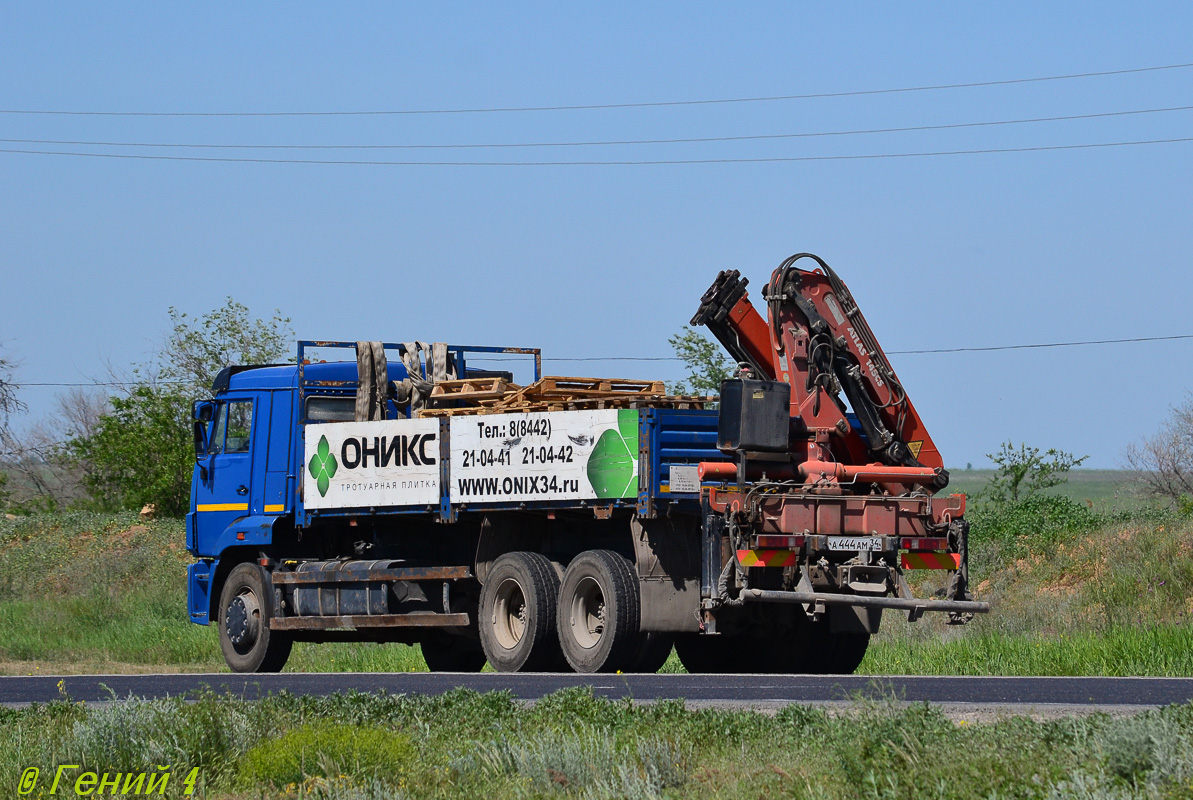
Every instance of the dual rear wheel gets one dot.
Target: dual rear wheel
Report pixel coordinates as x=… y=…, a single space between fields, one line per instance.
x=532 y=620
x=800 y=646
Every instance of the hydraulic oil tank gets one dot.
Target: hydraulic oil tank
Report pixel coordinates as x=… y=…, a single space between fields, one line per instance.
x=754 y=416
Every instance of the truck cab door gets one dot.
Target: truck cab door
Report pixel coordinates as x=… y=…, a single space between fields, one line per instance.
x=224 y=483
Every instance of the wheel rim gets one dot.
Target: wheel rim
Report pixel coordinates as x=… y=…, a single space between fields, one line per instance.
x=587 y=615
x=243 y=621
x=509 y=614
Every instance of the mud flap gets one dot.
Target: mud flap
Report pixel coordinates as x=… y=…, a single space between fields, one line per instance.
x=854 y=619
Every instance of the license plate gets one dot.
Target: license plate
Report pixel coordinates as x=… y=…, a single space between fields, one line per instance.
x=855 y=543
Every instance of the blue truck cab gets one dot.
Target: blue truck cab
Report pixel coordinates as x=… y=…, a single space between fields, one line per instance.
x=469 y=534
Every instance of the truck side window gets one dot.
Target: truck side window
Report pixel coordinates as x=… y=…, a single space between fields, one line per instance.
x=240 y=426
x=216 y=444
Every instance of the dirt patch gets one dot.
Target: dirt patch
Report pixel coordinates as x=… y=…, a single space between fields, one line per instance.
x=101 y=668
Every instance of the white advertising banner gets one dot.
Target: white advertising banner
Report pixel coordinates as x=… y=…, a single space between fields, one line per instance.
x=549 y=455
x=383 y=463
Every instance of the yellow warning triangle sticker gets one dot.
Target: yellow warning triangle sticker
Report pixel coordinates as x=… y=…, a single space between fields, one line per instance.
x=915 y=448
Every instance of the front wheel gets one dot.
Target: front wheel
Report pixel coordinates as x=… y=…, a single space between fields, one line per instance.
x=599 y=614
x=246 y=606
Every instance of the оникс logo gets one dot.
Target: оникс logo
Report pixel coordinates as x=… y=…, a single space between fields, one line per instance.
x=323 y=466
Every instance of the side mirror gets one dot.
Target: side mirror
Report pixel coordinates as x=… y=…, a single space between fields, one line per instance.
x=200 y=440
x=203 y=410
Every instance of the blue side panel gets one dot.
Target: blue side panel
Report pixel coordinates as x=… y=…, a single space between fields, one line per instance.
x=198 y=591
x=255 y=530
x=277 y=499
x=192 y=541
x=680 y=437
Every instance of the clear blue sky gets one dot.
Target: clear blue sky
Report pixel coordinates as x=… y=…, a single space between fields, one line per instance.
x=954 y=251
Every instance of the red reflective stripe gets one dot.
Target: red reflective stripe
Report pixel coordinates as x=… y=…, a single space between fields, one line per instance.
x=931 y=560
x=766 y=558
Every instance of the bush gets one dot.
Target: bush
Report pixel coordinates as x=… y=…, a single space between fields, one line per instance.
x=327 y=749
x=1040 y=520
x=134 y=735
x=140 y=453
x=588 y=762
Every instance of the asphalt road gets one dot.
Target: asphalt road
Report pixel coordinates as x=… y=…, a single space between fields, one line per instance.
x=721 y=690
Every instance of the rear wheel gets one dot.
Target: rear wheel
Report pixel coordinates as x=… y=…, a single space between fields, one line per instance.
x=787 y=646
x=246 y=606
x=702 y=654
x=518 y=614
x=838 y=653
x=445 y=652
x=653 y=651
x=599 y=612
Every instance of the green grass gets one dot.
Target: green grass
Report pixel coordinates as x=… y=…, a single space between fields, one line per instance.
x=1075 y=592
x=1162 y=650
x=1105 y=489
x=571 y=745
x=82 y=592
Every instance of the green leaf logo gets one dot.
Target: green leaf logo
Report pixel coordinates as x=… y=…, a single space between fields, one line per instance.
x=323 y=466
x=611 y=463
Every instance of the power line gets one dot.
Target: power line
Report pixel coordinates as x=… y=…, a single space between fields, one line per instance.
x=594 y=106
x=687 y=140
x=617 y=163
x=902 y=352
x=1046 y=344
x=107 y=383
x=677 y=358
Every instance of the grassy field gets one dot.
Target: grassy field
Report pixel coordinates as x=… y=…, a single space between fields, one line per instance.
x=1077 y=591
x=1106 y=489
x=570 y=745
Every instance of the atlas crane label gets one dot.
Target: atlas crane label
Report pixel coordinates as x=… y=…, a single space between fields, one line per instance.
x=551 y=455
x=363 y=464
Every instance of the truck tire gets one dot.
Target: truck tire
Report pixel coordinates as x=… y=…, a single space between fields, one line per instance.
x=445 y=652
x=840 y=653
x=599 y=612
x=517 y=614
x=246 y=606
x=703 y=654
x=653 y=651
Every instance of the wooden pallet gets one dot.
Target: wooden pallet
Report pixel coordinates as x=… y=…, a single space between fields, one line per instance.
x=481 y=391
x=644 y=401
x=555 y=385
x=551 y=393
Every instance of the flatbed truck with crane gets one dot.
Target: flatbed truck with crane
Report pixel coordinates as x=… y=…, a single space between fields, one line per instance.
x=578 y=524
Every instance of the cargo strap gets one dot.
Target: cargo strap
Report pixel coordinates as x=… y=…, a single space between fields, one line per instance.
x=414 y=390
x=372 y=381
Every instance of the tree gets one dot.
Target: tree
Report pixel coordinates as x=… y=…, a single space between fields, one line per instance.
x=47 y=474
x=1024 y=472
x=198 y=348
x=706 y=363
x=141 y=451
x=9 y=402
x=1164 y=462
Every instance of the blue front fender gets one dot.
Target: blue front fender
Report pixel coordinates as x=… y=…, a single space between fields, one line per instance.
x=201 y=586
